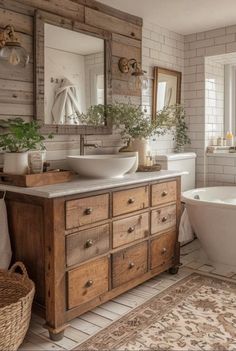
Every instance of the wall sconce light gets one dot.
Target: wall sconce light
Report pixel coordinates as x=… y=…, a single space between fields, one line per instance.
x=11 y=48
x=127 y=66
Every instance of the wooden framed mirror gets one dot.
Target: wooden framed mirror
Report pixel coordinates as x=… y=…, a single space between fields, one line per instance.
x=72 y=73
x=166 y=89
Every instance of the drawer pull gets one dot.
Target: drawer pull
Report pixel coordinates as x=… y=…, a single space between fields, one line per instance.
x=165 y=193
x=89 y=283
x=131 y=265
x=88 y=211
x=131 y=230
x=88 y=243
x=131 y=200
x=164 y=219
x=164 y=251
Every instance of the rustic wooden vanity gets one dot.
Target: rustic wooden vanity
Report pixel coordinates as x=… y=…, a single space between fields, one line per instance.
x=88 y=241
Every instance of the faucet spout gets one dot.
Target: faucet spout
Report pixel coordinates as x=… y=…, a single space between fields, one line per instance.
x=83 y=145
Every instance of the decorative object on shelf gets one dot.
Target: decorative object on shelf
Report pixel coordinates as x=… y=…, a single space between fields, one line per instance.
x=131 y=65
x=36 y=160
x=11 y=48
x=229 y=139
x=17 y=139
x=16 y=298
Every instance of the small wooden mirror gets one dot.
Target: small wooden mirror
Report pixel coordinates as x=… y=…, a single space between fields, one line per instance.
x=166 y=89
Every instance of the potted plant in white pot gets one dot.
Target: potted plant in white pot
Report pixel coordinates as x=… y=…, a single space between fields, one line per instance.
x=17 y=137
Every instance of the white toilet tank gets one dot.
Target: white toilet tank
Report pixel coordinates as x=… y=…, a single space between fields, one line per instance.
x=182 y=162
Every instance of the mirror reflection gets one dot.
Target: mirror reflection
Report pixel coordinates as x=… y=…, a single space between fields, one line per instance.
x=74 y=74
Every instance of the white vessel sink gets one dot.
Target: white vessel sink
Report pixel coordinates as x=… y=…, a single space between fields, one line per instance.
x=101 y=166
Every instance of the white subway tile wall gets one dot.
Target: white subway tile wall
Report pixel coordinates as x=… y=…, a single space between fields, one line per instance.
x=204 y=113
x=162 y=48
x=221 y=170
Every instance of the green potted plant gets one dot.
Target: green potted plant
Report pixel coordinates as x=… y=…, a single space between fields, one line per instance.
x=17 y=137
x=136 y=127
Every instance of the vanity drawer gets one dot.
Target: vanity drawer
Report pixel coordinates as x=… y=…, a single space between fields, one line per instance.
x=87 y=210
x=130 y=200
x=87 y=244
x=163 y=219
x=163 y=249
x=130 y=229
x=129 y=264
x=164 y=193
x=87 y=282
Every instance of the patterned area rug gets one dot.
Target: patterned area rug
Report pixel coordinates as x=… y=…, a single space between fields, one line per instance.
x=197 y=313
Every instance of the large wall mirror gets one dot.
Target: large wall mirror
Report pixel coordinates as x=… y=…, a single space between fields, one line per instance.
x=166 y=89
x=72 y=74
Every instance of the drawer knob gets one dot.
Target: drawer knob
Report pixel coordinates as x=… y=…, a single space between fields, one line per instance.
x=165 y=193
x=164 y=219
x=164 y=251
x=131 y=229
x=89 y=283
x=88 y=211
x=89 y=243
x=131 y=200
x=131 y=265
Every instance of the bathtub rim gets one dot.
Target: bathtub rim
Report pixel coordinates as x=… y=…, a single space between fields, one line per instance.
x=185 y=197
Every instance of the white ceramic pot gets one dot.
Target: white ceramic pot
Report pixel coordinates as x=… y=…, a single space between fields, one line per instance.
x=143 y=149
x=15 y=163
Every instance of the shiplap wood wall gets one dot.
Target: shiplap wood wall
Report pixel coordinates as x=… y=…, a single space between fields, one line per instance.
x=17 y=83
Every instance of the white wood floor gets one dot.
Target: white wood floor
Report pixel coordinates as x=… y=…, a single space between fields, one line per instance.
x=90 y=323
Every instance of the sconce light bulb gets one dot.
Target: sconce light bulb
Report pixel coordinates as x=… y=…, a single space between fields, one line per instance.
x=14 y=58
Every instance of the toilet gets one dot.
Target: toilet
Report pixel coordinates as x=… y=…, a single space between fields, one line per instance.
x=182 y=162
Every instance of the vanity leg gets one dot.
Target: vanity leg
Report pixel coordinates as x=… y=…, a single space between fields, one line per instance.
x=174 y=270
x=56 y=337
x=55 y=286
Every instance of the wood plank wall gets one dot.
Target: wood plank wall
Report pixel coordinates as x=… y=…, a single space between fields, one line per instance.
x=16 y=83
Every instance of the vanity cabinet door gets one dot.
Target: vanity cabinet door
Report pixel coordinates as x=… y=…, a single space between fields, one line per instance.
x=163 y=219
x=163 y=249
x=164 y=193
x=129 y=264
x=130 y=200
x=87 y=282
x=87 y=210
x=87 y=244
x=130 y=229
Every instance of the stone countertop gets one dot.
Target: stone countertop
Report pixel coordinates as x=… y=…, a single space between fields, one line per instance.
x=81 y=185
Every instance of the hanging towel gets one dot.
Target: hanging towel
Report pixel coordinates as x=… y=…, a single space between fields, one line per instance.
x=186 y=233
x=5 y=245
x=67 y=104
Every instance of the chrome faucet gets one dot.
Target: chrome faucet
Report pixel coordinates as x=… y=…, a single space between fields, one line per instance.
x=83 y=145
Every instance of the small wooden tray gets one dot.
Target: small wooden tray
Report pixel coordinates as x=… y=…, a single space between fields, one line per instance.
x=39 y=179
x=154 y=168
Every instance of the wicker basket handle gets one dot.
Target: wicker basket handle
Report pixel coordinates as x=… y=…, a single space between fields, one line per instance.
x=22 y=267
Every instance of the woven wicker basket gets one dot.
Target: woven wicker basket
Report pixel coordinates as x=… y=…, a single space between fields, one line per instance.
x=16 y=297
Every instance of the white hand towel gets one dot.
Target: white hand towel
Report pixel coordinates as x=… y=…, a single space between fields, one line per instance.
x=186 y=233
x=5 y=245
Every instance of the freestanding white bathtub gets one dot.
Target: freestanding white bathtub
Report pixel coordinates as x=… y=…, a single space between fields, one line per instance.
x=212 y=214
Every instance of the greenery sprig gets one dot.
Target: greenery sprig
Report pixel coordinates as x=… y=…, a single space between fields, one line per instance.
x=20 y=136
x=134 y=123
